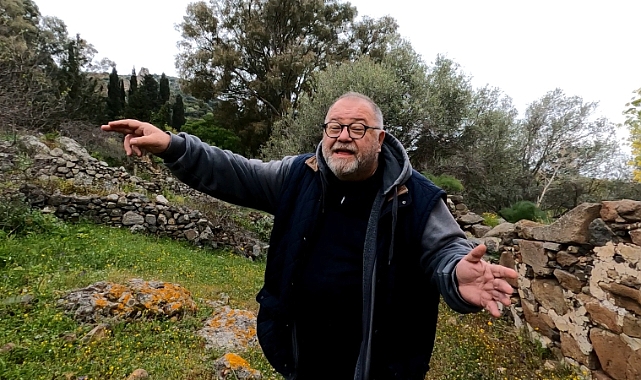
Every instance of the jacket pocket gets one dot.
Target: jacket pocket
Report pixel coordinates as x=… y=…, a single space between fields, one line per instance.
x=274 y=333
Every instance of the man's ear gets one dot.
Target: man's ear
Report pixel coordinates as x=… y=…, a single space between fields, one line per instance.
x=381 y=137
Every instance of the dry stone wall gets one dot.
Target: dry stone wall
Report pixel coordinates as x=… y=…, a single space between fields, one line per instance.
x=579 y=285
x=68 y=165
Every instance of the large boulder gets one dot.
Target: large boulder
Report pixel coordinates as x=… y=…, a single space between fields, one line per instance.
x=573 y=227
x=136 y=299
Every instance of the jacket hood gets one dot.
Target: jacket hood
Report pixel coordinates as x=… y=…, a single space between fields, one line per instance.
x=397 y=164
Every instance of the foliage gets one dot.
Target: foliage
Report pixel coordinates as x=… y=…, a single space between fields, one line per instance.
x=491 y=219
x=178 y=113
x=164 y=91
x=212 y=134
x=394 y=84
x=258 y=58
x=17 y=218
x=115 y=105
x=633 y=123
x=523 y=210
x=450 y=184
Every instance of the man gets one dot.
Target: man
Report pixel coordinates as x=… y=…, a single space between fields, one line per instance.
x=360 y=250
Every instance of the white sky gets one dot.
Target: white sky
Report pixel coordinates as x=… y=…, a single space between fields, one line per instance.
x=526 y=48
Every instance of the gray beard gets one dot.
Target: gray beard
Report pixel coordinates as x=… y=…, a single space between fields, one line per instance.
x=345 y=168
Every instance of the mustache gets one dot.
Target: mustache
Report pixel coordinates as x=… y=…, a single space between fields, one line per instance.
x=341 y=146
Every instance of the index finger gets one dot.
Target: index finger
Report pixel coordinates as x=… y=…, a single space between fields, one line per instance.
x=503 y=272
x=124 y=126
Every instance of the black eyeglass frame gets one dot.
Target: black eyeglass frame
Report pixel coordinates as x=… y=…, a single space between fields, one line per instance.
x=349 y=130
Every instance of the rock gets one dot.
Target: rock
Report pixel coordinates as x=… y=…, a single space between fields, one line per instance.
x=632 y=326
x=230 y=329
x=599 y=375
x=631 y=253
x=160 y=199
x=635 y=235
x=534 y=254
x=97 y=333
x=617 y=358
x=231 y=366
x=624 y=296
x=492 y=243
x=33 y=145
x=502 y=231
x=537 y=323
x=138 y=374
x=566 y=259
x=150 y=219
x=569 y=281
x=71 y=146
x=24 y=299
x=7 y=347
x=138 y=229
x=600 y=233
x=135 y=300
x=549 y=294
x=523 y=228
x=479 y=230
x=469 y=218
x=570 y=348
x=572 y=227
x=191 y=234
x=622 y=211
x=130 y=218
x=602 y=315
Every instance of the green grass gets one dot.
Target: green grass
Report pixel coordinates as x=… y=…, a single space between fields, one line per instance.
x=62 y=257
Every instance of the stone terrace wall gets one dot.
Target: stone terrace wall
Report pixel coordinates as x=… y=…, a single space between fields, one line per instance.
x=71 y=165
x=579 y=285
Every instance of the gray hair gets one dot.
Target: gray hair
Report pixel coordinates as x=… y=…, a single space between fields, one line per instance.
x=378 y=114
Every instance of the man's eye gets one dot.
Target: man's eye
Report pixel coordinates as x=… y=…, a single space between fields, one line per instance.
x=359 y=128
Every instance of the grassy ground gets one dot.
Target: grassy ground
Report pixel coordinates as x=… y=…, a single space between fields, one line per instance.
x=61 y=257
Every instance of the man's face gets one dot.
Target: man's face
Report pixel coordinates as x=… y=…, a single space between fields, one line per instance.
x=349 y=159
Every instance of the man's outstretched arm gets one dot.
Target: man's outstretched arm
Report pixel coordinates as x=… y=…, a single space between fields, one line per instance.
x=222 y=174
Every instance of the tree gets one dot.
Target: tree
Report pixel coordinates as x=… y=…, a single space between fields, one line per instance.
x=395 y=84
x=178 y=114
x=207 y=130
x=150 y=94
x=259 y=56
x=114 y=102
x=164 y=89
x=633 y=123
x=559 y=137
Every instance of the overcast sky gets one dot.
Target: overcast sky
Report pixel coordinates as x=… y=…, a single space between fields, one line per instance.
x=525 y=48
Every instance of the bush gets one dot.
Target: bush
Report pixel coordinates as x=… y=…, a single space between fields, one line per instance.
x=446 y=182
x=490 y=219
x=523 y=210
x=17 y=218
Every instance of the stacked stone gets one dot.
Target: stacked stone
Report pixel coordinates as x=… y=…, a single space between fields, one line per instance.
x=470 y=222
x=578 y=285
x=141 y=215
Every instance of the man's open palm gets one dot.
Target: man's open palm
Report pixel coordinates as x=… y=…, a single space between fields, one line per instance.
x=483 y=284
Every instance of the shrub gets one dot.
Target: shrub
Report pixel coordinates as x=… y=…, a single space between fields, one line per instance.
x=446 y=182
x=523 y=210
x=491 y=219
x=17 y=218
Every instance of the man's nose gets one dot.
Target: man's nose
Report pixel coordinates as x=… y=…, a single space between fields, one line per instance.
x=344 y=136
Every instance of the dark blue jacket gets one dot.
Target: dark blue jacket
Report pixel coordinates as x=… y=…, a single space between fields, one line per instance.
x=412 y=246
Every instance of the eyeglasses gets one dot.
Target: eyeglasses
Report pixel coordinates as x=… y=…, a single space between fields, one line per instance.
x=354 y=130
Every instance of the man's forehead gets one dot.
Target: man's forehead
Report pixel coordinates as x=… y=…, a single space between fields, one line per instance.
x=352 y=108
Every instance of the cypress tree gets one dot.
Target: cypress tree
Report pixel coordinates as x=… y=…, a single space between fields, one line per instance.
x=164 y=88
x=123 y=95
x=114 y=103
x=133 y=83
x=178 y=114
x=150 y=94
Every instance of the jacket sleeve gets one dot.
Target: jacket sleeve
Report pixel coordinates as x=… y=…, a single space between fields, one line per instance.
x=225 y=175
x=444 y=245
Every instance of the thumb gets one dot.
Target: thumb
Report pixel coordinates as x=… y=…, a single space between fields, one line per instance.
x=476 y=254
